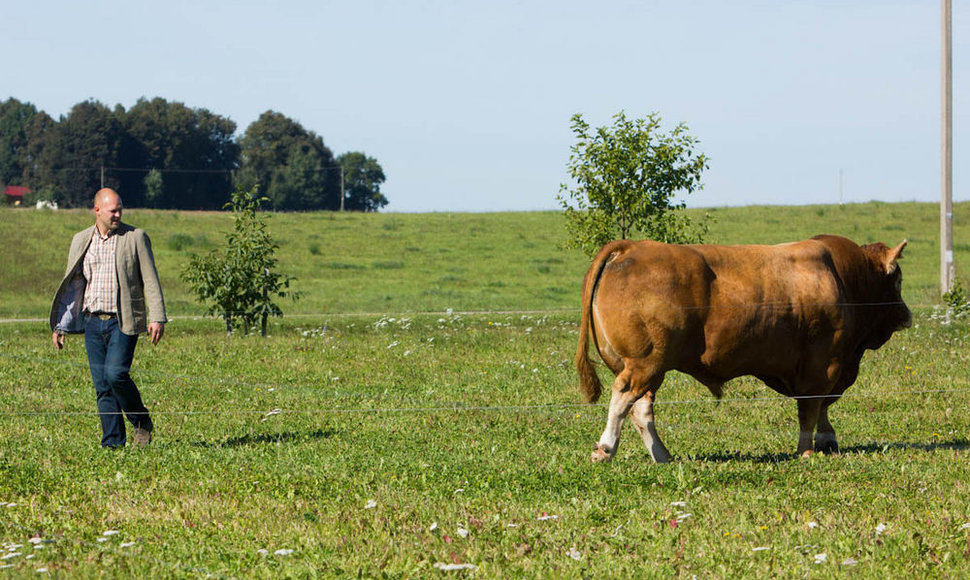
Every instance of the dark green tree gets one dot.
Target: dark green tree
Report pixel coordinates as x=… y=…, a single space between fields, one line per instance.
x=301 y=183
x=14 y=119
x=267 y=149
x=238 y=282
x=68 y=155
x=36 y=175
x=363 y=177
x=626 y=177
x=194 y=148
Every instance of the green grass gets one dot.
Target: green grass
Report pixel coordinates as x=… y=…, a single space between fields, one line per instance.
x=408 y=263
x=381 y=443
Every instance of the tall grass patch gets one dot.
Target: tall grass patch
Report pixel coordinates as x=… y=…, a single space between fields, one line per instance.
x=384 y=445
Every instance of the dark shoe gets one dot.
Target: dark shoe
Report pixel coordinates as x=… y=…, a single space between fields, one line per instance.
x=141 y=438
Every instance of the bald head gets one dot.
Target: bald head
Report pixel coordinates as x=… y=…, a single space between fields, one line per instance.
x=107 y=210
x=106 y=196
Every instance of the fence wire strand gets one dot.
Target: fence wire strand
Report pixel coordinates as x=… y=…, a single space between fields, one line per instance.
x=454 y=406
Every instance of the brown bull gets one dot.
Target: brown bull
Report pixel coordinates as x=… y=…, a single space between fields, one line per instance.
x=798 y=316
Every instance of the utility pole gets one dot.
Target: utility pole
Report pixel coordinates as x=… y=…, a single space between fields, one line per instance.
x=341 y=188
x=947 y=270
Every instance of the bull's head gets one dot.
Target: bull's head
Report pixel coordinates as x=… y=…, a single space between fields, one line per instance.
x=893 y=313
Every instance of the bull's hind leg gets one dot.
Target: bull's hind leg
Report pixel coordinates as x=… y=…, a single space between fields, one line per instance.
x=808 y=417
x=631 y=384
x=643 y=420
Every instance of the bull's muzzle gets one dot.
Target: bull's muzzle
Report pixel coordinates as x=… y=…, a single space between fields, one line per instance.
x=907 y=320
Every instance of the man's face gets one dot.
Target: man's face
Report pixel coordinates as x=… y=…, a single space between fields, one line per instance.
x=108 y=209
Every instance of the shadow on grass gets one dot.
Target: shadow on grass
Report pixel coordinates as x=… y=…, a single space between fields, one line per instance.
x=734 y=457
x=958 y=444
x=263 y=438
x=867 y=448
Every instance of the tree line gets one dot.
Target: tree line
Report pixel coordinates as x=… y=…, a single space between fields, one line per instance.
x=166 y=155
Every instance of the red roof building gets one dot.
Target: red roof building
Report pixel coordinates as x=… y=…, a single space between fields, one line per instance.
x=16 y=191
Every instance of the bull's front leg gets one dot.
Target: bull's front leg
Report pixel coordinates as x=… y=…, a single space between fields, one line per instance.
x=808 y=414
x=825 y=440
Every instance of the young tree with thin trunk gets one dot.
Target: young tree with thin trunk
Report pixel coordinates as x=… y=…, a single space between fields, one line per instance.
x=626 y=177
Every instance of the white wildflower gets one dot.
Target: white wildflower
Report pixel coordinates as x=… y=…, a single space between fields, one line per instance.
x=849 y=562
x=821 y=558
x=283 y=552
x=761 y=548
x=544 y=518
x=434 y=526
x=679 y=503
x=450 y=567
x=127 y=545
x=110 y=533
x=462 y=531
x=812 y=525
x=880 y=528
x=370 y=504
x=574 y=553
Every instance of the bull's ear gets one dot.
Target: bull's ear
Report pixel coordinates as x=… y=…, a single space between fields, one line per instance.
x=893 y=255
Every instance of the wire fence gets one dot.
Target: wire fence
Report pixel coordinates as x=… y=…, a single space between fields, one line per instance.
x=447 y=406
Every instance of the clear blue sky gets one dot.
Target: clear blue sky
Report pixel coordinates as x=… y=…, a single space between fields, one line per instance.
x=466 y=105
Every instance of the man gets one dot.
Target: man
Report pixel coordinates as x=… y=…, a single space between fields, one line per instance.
x=110 y=279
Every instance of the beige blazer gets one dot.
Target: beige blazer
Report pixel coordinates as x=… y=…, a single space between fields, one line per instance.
x=139 y=291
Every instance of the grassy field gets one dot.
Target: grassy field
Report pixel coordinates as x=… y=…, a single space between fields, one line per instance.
x=401 y=421
x=408 y=263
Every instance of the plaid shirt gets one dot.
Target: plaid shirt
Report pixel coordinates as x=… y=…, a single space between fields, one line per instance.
x=101 y=294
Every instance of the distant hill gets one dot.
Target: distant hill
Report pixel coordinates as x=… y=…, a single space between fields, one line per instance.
x=399 y=263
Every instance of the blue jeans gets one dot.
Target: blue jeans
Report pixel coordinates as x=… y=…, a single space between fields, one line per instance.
x=110 y=353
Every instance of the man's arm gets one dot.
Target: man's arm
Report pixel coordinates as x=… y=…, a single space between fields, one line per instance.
x=153 y=289
x=155 y=331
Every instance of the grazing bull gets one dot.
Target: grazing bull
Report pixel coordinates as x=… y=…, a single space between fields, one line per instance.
x=798 y=316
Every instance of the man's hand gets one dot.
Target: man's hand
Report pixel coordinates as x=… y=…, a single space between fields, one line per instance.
x=155 y=331
x=58 y=338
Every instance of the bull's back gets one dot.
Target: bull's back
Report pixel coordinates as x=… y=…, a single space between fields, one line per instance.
x=718 y=311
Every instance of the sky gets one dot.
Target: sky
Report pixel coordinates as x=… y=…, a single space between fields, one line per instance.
x=467 y=104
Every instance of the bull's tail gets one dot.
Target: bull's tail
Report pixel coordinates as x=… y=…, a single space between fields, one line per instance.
x=589 y=381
